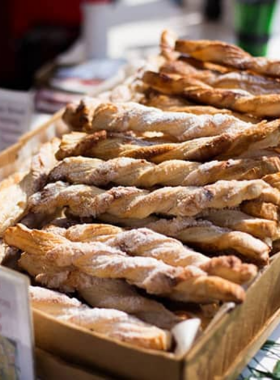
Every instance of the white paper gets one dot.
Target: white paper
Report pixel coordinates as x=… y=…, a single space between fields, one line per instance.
x=185 y=334
x=15 y=115
x=16 y=336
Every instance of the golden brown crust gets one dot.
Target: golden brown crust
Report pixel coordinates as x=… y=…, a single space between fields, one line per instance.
x=145 y=242
x=79 y=116
x=266 y=105
x=131 y=202
x=118 y=294
x=127 y=117
x=190 y=286
x=260 y=209
x=106 y=146
x=141 y=173
x=167 y=45
x=273 y=180
x=240 y=80
x=229 y=55
x=14 y=193
x=180 y=104
x=207 y=237
x=113 y=323
x=263 y=229
x=101 y=260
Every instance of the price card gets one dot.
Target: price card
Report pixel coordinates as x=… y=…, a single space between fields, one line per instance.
x=15 y=115
x=16 y=335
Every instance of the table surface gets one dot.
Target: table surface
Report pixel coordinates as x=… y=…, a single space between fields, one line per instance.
x=266 y=364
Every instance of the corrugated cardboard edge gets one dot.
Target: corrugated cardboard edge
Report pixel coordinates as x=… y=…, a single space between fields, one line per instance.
x=210 y=357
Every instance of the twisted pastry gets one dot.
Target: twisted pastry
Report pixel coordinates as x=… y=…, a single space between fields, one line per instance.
x=35 y=264
x=98 y=292
x=97 y=259
x=105 y=146
x=177 y=104
x=167 y=50
x=79 y=115
x=187 y=285
x=16 y=190
x=204 y=235
x=237 y=220
x=229 y=55
x=167 y=45
x=111 y=145
x=135 y=117
x=252 y=83
x=132 y=172
x=131 y=202
x=147 y=243
x=112 y=294
x=261 y=227
x=260 y=209
x=238 y=100
x=273 y=179
x=115 y=324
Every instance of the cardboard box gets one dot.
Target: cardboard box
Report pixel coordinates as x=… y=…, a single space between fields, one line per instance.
x=224 y=348
x=52 y=367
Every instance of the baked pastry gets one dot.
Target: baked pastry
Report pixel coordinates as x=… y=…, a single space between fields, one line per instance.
x=204 y=235
x=104 y=145
x=139 y=118
x=101 y=260
x=111 y=145
x=263 y=229
x=228 y=55
x=240 y=80
x=145 y=242
x=112 y=294
x=180 y=104
x=115 y=324
x=131 y=202
x=15 y=191
x=266 y=105
x=128 y=171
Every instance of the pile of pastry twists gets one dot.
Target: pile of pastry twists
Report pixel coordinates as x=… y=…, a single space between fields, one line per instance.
x=157 y=206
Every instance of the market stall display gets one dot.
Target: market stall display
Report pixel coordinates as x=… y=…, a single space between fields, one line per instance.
x=160 y=214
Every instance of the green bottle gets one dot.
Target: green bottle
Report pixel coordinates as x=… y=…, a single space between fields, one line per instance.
x=253 y=19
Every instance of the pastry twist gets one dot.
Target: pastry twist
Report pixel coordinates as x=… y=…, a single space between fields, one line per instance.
x=180 y=104
x=141 y=173
x=252 y=83
x=112 y=294
x=16 y=190
x=147 y=243
x=115 y=324
x=229 y=55
x=237 y=220
x=131 y=202
x=266 y=105
x=106 y=146
x=204 y=235
x=100 y=260
x=183 y=126
x=187 y=285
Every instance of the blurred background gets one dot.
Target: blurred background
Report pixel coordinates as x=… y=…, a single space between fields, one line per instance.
x=64 y=48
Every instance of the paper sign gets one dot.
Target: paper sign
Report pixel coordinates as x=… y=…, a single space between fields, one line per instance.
x=16 y=335
x=15 y=116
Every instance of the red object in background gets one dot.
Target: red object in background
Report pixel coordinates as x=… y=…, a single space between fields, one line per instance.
x=25 y=14
x=18 y=18
x=28 y=35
